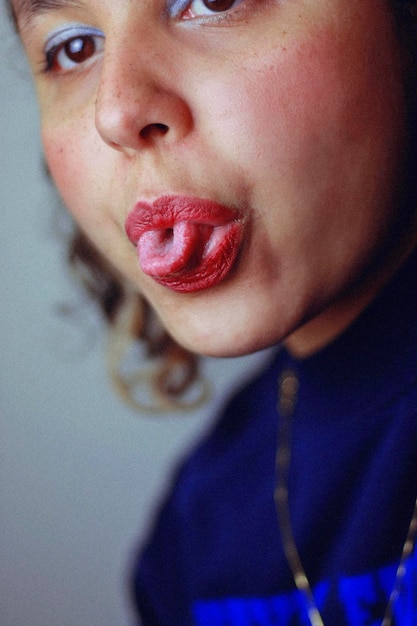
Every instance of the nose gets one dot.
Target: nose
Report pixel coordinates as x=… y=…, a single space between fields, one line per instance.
x=138 y=104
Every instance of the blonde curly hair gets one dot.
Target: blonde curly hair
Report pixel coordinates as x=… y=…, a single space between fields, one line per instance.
x=148 y=369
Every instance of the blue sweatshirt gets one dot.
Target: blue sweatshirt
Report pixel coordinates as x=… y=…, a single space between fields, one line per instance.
x=215 y=555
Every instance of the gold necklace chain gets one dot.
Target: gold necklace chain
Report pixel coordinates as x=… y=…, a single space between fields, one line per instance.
x=287 y=399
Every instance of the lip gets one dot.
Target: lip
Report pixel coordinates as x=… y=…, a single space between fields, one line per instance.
x=185 y=243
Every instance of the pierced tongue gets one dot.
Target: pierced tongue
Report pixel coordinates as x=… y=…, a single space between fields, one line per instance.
x=167 y=251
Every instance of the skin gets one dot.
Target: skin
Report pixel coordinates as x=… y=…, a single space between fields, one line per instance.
x=292 y=111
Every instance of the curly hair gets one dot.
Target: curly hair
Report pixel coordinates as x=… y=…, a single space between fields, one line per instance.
x=160 y=375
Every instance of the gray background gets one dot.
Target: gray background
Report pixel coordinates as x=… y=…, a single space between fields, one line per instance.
x=80 y=473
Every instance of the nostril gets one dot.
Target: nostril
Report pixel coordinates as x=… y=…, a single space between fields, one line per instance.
x=153 y=129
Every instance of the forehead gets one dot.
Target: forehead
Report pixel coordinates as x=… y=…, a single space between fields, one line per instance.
x=25 y=10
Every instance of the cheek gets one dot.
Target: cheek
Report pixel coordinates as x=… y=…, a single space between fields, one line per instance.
x=61 y=163
x=82 y=172
x=330 y=96
x=78 y=172
x=73 y=160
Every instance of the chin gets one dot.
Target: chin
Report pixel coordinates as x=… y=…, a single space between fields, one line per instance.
x=238 y=317
x=212 y=336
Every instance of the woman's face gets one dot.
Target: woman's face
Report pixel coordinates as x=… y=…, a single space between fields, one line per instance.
x=248 y=149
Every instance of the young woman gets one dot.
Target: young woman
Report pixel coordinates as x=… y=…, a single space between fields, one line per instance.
x=248 y=167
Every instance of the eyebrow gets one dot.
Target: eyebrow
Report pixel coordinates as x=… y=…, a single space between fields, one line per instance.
x=24 y=11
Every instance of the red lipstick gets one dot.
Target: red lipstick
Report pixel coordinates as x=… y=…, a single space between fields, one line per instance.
x=186 y=244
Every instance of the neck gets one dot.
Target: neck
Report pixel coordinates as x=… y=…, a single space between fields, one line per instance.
x=325 y=327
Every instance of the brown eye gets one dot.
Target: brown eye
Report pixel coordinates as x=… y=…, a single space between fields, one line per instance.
x=218 y=5
x=205 y=8
x=71 y=52
x=79 y=49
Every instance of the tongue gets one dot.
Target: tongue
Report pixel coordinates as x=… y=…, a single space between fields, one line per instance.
x=167 y=251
